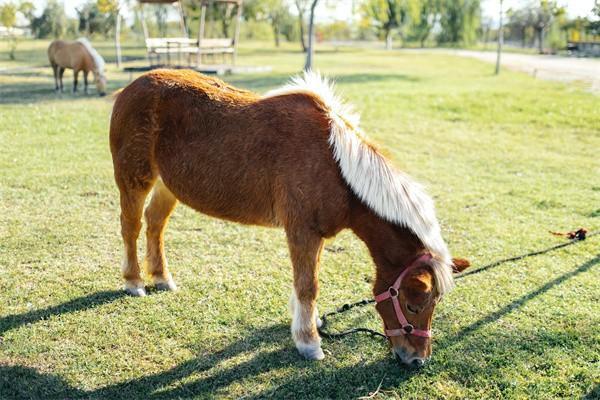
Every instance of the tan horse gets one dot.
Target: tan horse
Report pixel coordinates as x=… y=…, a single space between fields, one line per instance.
x=79 y=56
x=292 y=159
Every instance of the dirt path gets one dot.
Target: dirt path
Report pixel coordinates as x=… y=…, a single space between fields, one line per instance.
x=565 y=69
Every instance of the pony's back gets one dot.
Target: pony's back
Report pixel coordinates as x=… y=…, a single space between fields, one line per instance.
x=226 y=152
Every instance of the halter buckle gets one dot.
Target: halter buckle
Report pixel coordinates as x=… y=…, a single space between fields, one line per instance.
x=393 y=291
x=408 y=328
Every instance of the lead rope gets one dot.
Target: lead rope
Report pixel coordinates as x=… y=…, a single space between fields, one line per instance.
x=574 y=236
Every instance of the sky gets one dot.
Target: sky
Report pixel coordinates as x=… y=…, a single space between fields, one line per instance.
x=328 y=10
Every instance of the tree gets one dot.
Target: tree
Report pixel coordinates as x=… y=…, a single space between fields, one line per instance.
x=593 y=27
x=500 y=39
x=27 y=9
x=52 y=22
x=275 y=12
x=519 y=21
x=426 y=19
x=389 y=16
x=98 y=17
x=541 y=19
x=459 y=20
x=311 y=37
x=301 y=8
x=8 y=18
x=8 y=15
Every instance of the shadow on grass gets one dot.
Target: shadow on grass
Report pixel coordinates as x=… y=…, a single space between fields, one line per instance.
x=593 y=394
x=79 y=304
x=463 y=356
x=42 y=89
x=41 y=92
x=519 y=302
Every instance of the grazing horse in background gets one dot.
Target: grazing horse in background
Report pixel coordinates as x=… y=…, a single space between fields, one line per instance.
x=78 y=55
x=295 y=159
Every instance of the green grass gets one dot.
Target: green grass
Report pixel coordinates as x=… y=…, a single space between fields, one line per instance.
x=507 y=159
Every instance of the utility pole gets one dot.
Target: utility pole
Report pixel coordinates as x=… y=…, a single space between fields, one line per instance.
x=311 y=37
x=500 y=40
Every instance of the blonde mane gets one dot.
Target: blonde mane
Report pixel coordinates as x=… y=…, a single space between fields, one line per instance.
x=391 y=194
x=98 y=60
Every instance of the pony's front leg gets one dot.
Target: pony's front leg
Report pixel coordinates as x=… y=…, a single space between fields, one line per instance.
x=75 y=76
x=85 y=82
x=305 y=251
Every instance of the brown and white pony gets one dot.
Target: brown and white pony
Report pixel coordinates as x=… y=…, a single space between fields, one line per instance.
x=78 y=55
x=293 y=158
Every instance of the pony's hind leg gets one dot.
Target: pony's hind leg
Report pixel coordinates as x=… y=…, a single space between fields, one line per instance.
x=157 y=215
x=85 y=82
x=132 y=205
x=305 y=251
x=75 y=76
x=55 y=72
x=61 y=72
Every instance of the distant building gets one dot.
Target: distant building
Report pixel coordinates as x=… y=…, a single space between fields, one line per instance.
x=16 y=31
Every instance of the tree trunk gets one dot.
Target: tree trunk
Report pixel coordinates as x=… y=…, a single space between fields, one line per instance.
x=388 y=40
x=118 y=38
x=301 y=22
x=500 y=40
x=540 y=35
x=276 y=34
x=311 y=37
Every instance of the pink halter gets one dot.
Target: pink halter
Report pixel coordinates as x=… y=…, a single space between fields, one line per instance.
x=392 y=293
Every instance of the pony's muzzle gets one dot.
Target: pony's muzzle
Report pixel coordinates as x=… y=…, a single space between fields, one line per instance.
x=405 y=358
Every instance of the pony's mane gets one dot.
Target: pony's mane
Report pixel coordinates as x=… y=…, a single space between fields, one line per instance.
x=391 y=194
x=98 y=60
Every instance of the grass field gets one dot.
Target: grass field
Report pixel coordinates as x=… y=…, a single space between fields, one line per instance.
x=507 y=159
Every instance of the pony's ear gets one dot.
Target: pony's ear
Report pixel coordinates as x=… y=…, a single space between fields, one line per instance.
x=459 y=265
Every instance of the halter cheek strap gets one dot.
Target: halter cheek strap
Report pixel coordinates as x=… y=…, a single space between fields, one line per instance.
x=392 y=293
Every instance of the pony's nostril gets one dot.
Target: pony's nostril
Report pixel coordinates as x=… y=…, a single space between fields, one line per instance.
x=418 y=362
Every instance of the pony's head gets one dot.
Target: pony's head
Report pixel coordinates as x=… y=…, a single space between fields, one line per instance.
x=407 y=305
x=99 y=76
x=100 y=79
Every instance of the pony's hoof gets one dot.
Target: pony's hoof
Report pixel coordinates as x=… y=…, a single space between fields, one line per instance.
x=135 y=290
x=311 y=352
x=166 y=285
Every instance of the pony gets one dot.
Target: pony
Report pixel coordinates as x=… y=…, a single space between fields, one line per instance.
x=294 y=158
x=78 y=55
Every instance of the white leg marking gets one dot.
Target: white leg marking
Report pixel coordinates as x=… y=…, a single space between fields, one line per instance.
x=165 y=284
x=301 y=319
x=133 y=288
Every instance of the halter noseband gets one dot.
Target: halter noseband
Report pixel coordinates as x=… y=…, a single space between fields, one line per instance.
x=392 y=293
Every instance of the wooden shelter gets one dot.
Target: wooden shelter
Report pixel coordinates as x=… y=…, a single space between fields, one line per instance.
x=163 y=51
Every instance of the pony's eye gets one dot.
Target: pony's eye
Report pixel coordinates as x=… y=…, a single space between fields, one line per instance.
x=411 y=309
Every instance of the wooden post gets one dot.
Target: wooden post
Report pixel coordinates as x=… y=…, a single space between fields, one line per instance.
x=118 y=38
x=311 y=37
x=143 y=21
x=201 y=34
x=145 y=29
x=236 y=36
x=500 y=40
x=182 y=20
